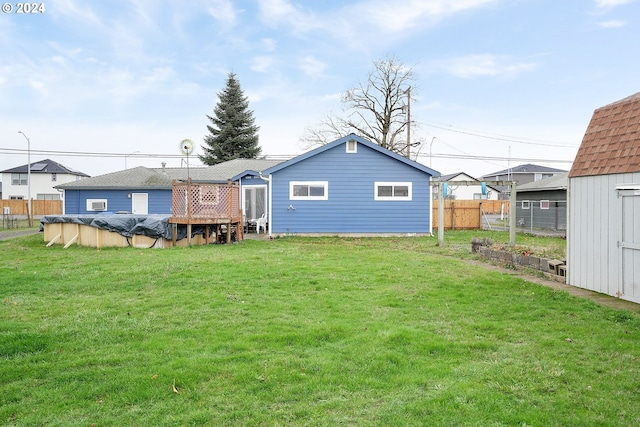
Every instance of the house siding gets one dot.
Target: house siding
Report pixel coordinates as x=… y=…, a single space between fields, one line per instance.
x=350 y=207
x=595 y=227
x=117 y=200
x=554 y=218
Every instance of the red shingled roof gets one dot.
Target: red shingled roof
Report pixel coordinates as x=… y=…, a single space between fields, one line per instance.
x=611 y=143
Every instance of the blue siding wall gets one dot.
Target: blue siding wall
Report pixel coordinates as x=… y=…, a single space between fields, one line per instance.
x=75 y=201
x=351 y=207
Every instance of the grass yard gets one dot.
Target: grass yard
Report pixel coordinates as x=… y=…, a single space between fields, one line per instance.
x=303 y=331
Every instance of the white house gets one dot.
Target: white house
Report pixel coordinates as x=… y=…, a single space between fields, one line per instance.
x=45 y=175
x=603 y=233
x=461 y=186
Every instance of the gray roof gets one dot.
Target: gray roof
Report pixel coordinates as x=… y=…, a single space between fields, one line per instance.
x=528 y=168
x=162 y=178
x=44 y=166
x=558 y=182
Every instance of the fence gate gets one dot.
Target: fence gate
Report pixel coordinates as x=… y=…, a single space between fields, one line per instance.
x=630 y=244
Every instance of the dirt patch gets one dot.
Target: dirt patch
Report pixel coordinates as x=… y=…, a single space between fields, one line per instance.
x=5 y=235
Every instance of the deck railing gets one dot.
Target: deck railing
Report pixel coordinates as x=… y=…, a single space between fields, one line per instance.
x=203 y=203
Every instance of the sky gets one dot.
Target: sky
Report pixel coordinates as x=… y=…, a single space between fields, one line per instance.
x=104 y=85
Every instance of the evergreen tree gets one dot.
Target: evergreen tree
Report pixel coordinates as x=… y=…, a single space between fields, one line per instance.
x=233 y=133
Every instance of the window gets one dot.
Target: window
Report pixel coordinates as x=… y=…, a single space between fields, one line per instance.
x=44 y=196
x=54 y=177
x=396 y=191
x=16 y=197
x=96 y=204
x=309 y=190
x=525 y=204
x=544 y=204
x=352 y=146
x=19 y=179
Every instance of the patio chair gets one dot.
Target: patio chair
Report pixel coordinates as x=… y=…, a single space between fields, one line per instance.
x=261 y=222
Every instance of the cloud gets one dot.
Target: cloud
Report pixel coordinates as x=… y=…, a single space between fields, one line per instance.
x=483 y=65
x=311 y=66
x=612 y=24
x=223 y=12
x=611 y=3
x=261 y=64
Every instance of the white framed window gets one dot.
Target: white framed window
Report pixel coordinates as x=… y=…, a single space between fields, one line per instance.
x=544 y=204
x=526 y=204
x=54 y=177
x=394 y=191
x=19 y=178
x=309 y=190
x=352 y=146
x=96 y=204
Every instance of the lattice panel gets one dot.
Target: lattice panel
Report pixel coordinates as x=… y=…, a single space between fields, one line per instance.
x=205 y=201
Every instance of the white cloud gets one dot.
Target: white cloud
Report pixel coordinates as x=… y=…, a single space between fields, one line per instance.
x=224 y=12
x=611 y=3
x=479 y=65
x=261 y=64
x=312 y=66
x=612 y=24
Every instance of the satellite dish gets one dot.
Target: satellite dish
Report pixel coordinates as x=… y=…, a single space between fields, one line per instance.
x=186 y=147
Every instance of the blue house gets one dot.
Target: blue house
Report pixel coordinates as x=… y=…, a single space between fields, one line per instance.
x=350 y=185
x=142 y=190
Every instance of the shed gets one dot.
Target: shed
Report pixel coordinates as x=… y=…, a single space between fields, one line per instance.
x=603 y=247
x=349 y=186
x=542 y=205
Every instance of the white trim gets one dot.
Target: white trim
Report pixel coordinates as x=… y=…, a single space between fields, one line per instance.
x=377 y=184
x=355 y=146
x=542 y=207
x=323 y=184
x=527 y=206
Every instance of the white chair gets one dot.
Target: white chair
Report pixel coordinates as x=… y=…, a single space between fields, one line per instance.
x=261 y=222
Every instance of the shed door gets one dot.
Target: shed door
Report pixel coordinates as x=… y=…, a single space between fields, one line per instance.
x=630 y=245
x=140 y=203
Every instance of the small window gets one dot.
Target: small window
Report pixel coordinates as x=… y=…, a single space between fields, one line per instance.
x=96 y=204
x=309 y=190
x=525 y=204
x=54 y=177
x=393 y=191
x=352 y=146
x=544 y=204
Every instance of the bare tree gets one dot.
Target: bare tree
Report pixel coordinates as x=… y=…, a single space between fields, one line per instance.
x=375 y=110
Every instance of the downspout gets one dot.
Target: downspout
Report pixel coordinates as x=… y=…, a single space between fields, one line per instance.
x=269 y=199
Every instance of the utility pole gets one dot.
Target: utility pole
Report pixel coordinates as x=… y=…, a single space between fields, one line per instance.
x=28 y=178
x=408 y=92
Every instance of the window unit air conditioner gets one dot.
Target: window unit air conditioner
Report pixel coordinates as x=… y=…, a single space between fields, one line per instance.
x=99 y=206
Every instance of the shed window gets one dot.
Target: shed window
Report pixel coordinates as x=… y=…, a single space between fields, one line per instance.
x=352 y=146
x=308 y=190
x=525 y=204
x=544 y=204
x=396 y=191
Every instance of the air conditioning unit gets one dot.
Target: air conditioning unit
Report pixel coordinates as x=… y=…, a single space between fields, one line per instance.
x=96 y=205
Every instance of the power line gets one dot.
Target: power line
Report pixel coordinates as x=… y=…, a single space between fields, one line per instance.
x=496 y=158
x=507 y=138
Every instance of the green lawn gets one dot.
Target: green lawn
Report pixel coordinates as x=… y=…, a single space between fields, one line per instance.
x=303 y=331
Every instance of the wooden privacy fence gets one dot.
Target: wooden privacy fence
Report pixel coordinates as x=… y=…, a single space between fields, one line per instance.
x=39 y=207
x=466 y=214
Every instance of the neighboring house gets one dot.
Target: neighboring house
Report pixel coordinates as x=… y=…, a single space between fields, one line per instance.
x=522 y=174
x=603 y=237
x=144 y=190
x=461 y=186
x=542 y=205
x=46 y=175
x=350 y=185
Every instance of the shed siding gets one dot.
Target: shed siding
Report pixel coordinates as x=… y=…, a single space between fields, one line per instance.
x=595 y=227
x=117 y=200
x=350 y=207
